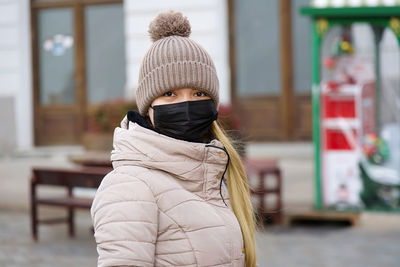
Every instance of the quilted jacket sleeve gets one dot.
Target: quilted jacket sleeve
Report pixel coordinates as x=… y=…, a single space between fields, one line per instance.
x=124 y=214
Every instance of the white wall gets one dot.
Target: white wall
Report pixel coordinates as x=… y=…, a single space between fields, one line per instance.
x=15 y=78
x=9 y=58
x=209 y=22
x=24 y=100
x=9 y=67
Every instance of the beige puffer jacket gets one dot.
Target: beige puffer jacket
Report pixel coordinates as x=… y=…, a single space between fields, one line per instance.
x=161 y=205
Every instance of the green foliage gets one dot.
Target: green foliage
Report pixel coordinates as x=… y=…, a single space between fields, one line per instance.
x=104 y=117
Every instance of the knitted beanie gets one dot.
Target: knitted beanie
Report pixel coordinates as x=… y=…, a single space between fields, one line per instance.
x=174 y=61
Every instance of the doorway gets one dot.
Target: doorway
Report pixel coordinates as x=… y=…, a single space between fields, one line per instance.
x=78 y=59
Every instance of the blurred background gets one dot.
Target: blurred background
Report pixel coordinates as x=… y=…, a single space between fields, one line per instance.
x=68 y=74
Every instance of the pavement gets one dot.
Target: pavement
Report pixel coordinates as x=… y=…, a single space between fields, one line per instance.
x=374 y=242
x=54 y=248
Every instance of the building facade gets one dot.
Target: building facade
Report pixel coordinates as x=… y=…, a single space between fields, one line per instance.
x=57 y=57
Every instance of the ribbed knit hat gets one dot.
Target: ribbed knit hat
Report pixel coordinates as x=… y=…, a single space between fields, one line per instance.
x=174 y=61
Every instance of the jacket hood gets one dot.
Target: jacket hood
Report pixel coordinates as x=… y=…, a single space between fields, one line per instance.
x=202 y=164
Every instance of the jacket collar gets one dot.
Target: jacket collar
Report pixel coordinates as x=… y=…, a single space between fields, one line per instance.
x=197 y=166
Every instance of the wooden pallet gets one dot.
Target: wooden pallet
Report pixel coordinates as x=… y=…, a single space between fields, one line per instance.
x=309 y=214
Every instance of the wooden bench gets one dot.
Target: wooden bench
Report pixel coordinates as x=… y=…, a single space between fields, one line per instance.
x=264 y=169
x=84 y=177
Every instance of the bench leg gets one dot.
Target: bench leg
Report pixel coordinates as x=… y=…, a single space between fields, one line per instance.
x=71 y=227
x=261 y=187
x=278 y=217
x=34 y=221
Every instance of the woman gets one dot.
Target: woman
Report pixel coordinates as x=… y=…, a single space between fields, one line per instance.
x=166 y=202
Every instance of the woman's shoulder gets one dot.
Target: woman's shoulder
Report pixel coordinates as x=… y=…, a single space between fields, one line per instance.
x=122 y=188
x=122 y=197
x=132 y=176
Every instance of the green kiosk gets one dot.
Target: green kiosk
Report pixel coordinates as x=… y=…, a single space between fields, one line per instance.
x=356 y=107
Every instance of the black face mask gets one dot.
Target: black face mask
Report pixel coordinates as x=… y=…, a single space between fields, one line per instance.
x=187 y=121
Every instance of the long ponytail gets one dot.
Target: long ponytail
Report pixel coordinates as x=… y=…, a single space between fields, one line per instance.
x=239 y=193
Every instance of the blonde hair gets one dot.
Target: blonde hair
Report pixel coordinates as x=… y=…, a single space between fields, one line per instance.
x=239 y=193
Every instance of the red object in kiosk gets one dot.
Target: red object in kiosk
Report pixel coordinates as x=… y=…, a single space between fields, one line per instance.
x=340 y=116
x=332 y=86
x=335 y=139
x=347 y=113
x=339 y=106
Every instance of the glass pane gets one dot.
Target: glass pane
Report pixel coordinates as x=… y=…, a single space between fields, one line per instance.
x=360 y=118
x=348 y=54
x=389 y=98
x=105 y=52
x=257 y=44
x=301 y=48
x=56 y=56
x=390 y=84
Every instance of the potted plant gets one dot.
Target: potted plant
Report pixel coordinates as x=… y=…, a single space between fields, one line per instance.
x=102 y=118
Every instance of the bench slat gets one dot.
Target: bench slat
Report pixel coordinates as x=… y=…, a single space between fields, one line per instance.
x=53 y=220
x=89 y=177
x=66 y=201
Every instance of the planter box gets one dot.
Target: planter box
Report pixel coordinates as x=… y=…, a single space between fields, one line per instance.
x=97 y=141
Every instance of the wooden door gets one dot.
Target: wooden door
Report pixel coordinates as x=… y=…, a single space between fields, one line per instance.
x=58 y=100
x=74 y=44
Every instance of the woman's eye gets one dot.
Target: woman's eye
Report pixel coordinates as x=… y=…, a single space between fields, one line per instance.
x=200 y=94
x=169 y=93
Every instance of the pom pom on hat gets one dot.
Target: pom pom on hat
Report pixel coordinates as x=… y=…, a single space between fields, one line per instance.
x=169 y=23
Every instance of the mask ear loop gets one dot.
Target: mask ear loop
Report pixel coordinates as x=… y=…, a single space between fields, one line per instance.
x=150 y=121
x=223 y=175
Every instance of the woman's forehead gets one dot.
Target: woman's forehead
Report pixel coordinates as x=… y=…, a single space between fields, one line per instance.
x=184 y=89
